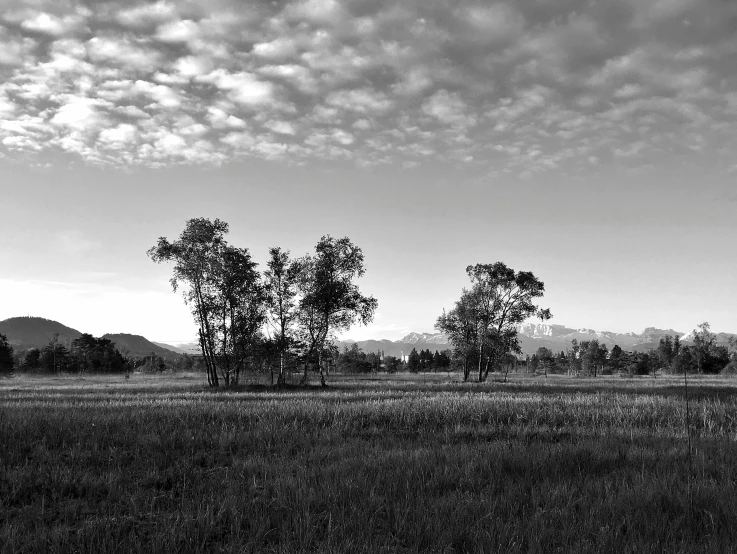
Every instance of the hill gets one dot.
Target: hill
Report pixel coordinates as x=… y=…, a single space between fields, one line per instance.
x=191 y=348
x=35 y=332
x=138 y=346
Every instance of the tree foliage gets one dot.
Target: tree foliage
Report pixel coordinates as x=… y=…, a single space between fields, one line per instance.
x=245 y=320
x=223 y=289
x=483 y=324
x=281 y=280
x=6 y=355
x=330 y=300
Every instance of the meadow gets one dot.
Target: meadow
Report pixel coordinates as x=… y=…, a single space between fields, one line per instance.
x=379 y=464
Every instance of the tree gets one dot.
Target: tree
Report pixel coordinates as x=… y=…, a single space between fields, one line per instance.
x=6 y=355
x=223 y=290
x=281 y=284
x=732 y=346
x=413 y=361
x=545 y=360
x=392 y=363
x=574 y=361
x=55 y=356
x=32 y=359
x=615 y=358
x=331 y=302
x=487 y=315
x=684 y=362
x=459 y=325
x=665 y=352
x=704 y=343
x=90 y=354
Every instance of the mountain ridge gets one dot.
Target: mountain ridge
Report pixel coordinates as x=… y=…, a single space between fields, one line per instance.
x=35 y=332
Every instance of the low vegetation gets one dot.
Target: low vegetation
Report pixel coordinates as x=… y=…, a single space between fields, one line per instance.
x=379 y=464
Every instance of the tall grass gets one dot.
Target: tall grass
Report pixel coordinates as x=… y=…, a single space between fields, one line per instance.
x=562 y=466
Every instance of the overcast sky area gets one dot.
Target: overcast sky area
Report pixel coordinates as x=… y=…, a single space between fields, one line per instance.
x=590 y=142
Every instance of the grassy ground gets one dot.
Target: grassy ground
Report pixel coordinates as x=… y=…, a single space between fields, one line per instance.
x=405 y=464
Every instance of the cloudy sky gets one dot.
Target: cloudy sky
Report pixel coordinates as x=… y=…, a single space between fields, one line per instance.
x=591 y=142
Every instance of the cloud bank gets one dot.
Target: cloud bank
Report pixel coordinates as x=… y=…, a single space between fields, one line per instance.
x=507 y=87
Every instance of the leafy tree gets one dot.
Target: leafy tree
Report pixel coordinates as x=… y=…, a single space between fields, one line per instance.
x=354 y=360
x=32 y=359
x=503 y=299
x=616 y=358
x=704 y=344
x=482 y=325
x=281 y=284
x=90 y=354
x=459 y=325
x=55 y=356
x=534 y=363
x=685 y=362
x=732 y=346
x=223 y=290
x=441 y=360
x=545 y=360
x=593 y=356
x=6 y=355
x=574 y=362
x=413 y=361
x=392 y=363
x=331 y=302
x=665 y=352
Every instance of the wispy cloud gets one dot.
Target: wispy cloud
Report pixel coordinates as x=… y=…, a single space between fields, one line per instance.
x=505 y=87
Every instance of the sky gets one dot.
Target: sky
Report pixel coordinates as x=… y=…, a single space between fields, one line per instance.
x=590 y=142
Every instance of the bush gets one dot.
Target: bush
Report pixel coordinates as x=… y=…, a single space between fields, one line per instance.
x=730 y=368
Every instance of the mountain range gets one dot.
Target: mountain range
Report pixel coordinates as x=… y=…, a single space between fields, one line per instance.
x=534 y=335
x=35 y=332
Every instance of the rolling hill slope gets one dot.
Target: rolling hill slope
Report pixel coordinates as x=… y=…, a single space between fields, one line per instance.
x=138 y=346
x=35 y=332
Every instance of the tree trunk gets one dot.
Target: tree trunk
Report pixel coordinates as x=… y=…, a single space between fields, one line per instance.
x=319 y=364
x=481 y=359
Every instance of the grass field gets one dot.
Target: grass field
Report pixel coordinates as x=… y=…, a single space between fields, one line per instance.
x=406 y=464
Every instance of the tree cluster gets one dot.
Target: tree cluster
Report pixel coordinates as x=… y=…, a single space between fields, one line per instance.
x=288 y=315
x=705 y=355
x=85 y=354
x=424 y=360
x=591 y=358
x=354 y=360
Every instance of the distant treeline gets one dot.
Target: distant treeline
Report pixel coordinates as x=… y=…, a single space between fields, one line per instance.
x=86 y=354
x=591 y=358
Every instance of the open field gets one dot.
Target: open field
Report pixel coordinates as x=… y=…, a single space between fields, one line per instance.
x=400 y=463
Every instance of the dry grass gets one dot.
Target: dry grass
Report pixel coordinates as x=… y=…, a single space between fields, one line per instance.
x=420 y=463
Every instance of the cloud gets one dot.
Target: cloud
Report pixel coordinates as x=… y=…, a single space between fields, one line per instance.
x=49 y=24
x=519 y=88
x=241 y=87
x=178 y=31
x=123 y=52
x=79 y=113
x=146 y=14
x=448 y=108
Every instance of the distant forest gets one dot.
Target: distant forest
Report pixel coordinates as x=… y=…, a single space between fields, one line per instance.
x=286 y=320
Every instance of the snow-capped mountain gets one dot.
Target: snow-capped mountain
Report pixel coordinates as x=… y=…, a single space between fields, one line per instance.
x=425 y=338
x=534 y=335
